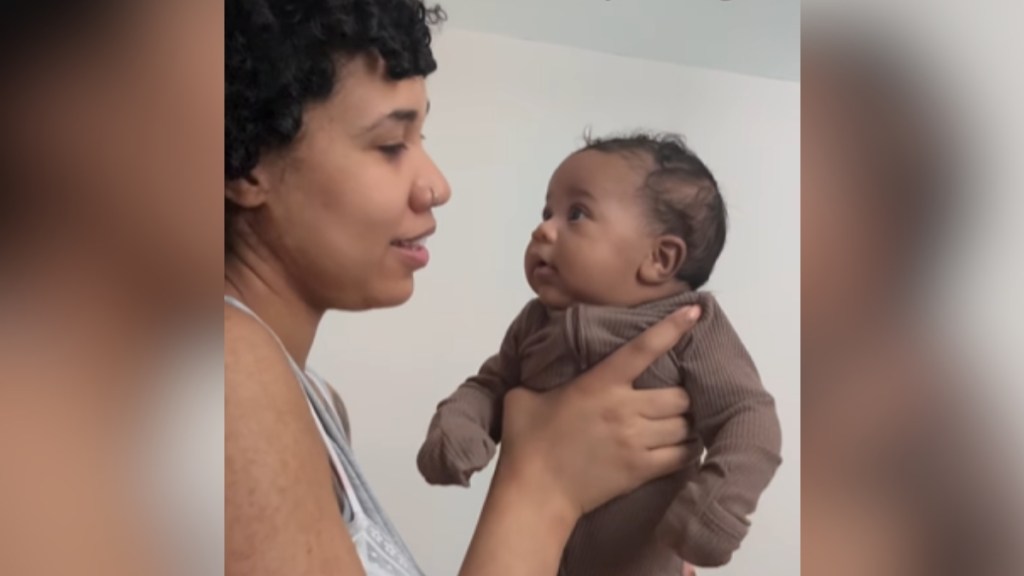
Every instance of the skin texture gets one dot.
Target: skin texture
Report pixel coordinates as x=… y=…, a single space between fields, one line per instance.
x=596 y=244
x=322 y=215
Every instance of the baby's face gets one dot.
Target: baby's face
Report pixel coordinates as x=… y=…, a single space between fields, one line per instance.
x=594 y=235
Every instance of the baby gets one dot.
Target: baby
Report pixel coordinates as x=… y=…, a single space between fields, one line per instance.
x=632 y=227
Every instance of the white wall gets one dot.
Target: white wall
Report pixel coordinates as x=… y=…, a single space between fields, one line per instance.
x=504 y=114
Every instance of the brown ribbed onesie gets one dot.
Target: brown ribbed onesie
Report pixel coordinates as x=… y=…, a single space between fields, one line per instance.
x=699 y=514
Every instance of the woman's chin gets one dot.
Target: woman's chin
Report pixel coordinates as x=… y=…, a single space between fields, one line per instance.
x=393 y=294
x=381 y=295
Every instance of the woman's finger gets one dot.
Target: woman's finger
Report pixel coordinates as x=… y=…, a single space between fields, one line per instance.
x=665 y=460
x=628 y=362
x=663 y=403
x=665 y=433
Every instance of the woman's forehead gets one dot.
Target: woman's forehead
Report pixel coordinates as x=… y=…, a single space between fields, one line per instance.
x=365 y=92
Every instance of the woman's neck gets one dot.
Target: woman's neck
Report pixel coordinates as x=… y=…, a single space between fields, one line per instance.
x=262 y=286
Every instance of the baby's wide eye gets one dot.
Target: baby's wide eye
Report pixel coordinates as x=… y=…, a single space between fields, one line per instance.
x=546 y=214
x=576 y=213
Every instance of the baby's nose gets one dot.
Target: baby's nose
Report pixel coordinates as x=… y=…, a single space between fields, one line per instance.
x=545 y=232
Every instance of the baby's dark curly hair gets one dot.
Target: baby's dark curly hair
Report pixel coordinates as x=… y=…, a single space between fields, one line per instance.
x=681 y=193
x=282 y=55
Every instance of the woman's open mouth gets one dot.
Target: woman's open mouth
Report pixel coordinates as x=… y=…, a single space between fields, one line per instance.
x=414 y=250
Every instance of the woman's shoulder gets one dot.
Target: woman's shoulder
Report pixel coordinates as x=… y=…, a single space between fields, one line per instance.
x=249 y=347
x=257 y=372
x=272 y=442
x=336 y=403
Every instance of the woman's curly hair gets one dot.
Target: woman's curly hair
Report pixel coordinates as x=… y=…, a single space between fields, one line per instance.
x=282 y=55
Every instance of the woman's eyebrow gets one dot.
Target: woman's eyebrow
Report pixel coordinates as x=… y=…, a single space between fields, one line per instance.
x=399 y=115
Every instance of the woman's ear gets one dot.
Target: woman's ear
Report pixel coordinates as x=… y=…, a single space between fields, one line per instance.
x=664 y=260
x=249 y=191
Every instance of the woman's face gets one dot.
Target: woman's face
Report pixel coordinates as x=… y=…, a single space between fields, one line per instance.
x=112 y=133
x=341 y=204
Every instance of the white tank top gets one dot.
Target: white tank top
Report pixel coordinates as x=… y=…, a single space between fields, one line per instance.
x=380 y=548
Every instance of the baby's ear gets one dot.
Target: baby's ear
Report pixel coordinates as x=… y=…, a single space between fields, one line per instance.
x=664 y=260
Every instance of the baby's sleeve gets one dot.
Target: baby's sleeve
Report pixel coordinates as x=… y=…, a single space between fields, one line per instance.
x=478 y=400
x=466 y=427
x=735 y=418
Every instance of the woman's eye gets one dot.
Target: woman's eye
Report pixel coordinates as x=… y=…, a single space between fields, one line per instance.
x=393 y=150
x=576 y=213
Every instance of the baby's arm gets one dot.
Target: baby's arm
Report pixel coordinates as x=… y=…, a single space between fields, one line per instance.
x=467 y=425
x=735 y=418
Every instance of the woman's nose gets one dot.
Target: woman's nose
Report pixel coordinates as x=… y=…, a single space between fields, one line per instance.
x=442 y=191
x=432 y=189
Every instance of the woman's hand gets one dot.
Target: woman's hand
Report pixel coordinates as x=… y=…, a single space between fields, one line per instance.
x=597 y=437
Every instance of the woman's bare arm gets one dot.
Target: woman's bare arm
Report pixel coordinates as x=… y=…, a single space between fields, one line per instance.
x=281 y=512
x=522 y=530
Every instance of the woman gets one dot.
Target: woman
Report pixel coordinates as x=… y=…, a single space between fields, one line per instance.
x=329 y=192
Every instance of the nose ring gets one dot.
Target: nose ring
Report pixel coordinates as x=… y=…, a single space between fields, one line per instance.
x=433 y=198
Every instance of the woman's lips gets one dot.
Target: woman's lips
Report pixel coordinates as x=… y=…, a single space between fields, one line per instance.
x=413 y=252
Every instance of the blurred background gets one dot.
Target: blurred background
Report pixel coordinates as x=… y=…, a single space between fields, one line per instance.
x=111 y=278
x=911 y=275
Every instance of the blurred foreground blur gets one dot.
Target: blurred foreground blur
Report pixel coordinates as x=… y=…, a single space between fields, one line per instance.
x=911 y=275
x=111 y=386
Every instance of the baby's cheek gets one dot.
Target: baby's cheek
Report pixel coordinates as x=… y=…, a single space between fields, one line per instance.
x=597 y=281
